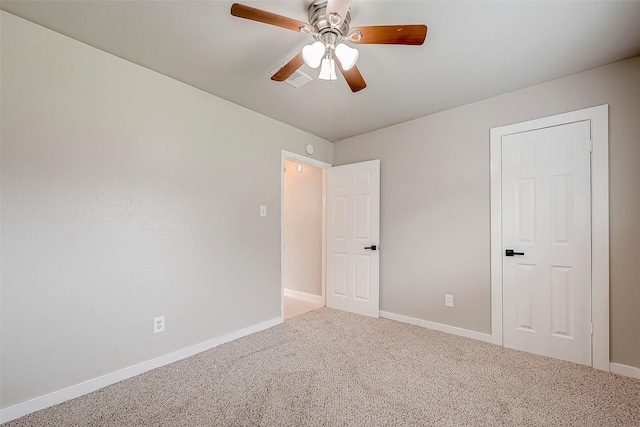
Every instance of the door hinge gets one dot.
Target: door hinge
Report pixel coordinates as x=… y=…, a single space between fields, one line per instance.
x=592 y=329
x=591 y=145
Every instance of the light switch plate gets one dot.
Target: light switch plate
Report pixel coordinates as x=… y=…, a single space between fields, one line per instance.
x=448 y=300
x=263 y=210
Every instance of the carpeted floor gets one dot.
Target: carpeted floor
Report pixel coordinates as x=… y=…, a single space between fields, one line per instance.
x=330 y=368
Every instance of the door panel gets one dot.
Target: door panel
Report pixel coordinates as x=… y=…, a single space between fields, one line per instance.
x=524 y=283
x=353 y=204
x=363 y=277
x=363 y=220
x=562 y=209
x=339 y=218
x=526 y=213
x=546 y=210
x=561 y=302
x=339 y=277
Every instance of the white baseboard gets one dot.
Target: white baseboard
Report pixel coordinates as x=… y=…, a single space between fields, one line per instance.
x=627 y=371
x=42 y=402
x=615 y=368
x=437 y=326
x=317 y=299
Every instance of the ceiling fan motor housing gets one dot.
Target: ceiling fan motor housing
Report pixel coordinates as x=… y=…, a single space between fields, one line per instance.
x=318 y=19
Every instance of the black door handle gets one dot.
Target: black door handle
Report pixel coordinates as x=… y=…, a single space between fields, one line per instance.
x=510 y=252
x=372 y=247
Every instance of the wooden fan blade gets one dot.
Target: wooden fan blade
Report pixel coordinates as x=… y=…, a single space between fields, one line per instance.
x=248 y=12
x=353 y=77
x=288 y=69
x=339 y=8
x=390 y=34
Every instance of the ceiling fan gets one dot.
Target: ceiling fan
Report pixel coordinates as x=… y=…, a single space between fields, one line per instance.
x=329 y=26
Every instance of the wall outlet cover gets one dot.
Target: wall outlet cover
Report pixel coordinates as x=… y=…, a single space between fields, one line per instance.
x=158 y=324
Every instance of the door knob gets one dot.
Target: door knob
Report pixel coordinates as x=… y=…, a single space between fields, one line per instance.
x=510 y=252
x=372 y=247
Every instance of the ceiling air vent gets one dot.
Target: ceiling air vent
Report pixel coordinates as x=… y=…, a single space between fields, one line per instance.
x=297 y=79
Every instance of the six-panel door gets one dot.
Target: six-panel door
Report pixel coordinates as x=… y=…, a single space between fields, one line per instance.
x=353 y=224
x=546 y=210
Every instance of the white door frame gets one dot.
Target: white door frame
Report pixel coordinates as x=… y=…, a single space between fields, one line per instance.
x=599 y=118
x=287 y=155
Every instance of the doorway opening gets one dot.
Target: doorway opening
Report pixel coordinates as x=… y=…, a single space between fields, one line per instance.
x=303 y=234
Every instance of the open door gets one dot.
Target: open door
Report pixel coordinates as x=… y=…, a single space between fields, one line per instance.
x=353 y=238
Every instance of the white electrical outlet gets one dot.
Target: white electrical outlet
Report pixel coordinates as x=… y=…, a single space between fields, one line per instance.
x=263 y=210
x=158 y=324
x=448 y=300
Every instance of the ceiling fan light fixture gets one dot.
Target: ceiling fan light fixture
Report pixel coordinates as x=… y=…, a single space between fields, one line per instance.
x=328 y=70
x=347 y=56
x=329 y=24
x=313 y=53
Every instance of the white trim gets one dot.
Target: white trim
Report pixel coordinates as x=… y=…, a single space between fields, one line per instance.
x=59 y=396
x=304 y=160
x=288 y=155
x=625 y=370
x=323 y=290
x=599 y=117
x=600 y=236
x=495 y=150
x=317 y=299
x=437 y=326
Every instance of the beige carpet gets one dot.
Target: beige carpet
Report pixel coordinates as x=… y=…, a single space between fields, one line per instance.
x=329 y=368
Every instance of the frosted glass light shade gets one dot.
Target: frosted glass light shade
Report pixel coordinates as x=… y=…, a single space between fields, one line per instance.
x=313 y=53
x=347 y=56
x=328 y=70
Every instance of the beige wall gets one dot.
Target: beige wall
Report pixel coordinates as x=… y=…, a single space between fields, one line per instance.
x=126 y=195
x=303 y=228
x=435 y=200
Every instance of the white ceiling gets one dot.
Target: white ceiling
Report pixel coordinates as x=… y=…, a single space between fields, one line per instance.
x=474 y=50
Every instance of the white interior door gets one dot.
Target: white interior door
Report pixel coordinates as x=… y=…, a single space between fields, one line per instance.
x=546 y=222
x=353 y=232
